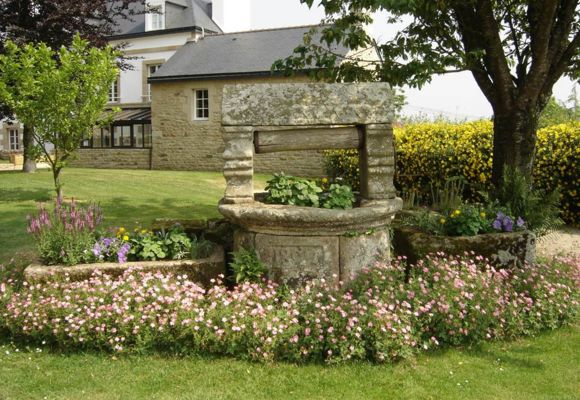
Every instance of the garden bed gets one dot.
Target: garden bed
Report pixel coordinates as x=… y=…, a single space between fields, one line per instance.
x=503 y=249
x=201 y=270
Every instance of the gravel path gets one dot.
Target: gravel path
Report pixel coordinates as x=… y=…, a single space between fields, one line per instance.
x=565 y=240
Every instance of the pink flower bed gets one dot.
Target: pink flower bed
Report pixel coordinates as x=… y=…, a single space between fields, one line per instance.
x=379 y=317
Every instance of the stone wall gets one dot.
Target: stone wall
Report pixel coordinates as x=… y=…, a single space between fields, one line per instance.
x=113 y=158
x=182 y=143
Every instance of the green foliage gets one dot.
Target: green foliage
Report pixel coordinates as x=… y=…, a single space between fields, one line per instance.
x=428 y=153
x=343 y=166
x=540 y=210
x=200 y=248
x=465 y=220
x=285 y=189
x=247 y=267
x=173 y=244
x=339 y=196
x=450 y=196
x=65 y=235
x=556 y=113
x=59 y=94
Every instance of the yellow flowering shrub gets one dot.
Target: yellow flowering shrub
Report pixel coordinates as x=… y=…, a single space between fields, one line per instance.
x=430 y=153
x=557 y=165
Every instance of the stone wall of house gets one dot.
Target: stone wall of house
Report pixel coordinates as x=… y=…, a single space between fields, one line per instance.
x=113 y=158
x=182 y=143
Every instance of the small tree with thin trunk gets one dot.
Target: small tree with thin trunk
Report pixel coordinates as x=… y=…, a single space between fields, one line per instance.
x=62 y=94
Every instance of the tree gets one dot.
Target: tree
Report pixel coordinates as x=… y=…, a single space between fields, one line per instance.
x=516 y=50
x=55 y=22
x=556 y=113
x=61 y=94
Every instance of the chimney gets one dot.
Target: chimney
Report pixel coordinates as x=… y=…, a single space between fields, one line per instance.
x=232 y=15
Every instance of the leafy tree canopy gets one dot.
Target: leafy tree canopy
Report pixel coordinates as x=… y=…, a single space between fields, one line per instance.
x=515 y=49
x=61 y=93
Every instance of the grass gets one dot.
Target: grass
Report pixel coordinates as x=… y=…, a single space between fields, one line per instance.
x=545 y=367
x=128 y=197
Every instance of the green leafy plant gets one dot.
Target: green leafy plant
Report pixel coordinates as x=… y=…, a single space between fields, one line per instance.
x=286 y=189
x=173 y=244
x=539 y=209
x=339 y=196
x=247 y=267
x=450 y=196
x=66 y=235
x=200 y=248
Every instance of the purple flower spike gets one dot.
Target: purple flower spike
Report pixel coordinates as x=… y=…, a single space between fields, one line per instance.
x=520 y=222
x=497 y=225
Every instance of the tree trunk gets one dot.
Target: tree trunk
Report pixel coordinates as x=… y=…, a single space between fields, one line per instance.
x=57 y=184
x=29 y=164
x=514 y=143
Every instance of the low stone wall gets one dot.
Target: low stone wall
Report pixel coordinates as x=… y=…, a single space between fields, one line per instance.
x=113 y=158
x=200 y=271
x=502 y=249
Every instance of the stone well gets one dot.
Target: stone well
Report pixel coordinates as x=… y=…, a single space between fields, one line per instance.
x=301 y=243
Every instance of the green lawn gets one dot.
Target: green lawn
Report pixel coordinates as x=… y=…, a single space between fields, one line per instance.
x=128 y=197
x=545 y=367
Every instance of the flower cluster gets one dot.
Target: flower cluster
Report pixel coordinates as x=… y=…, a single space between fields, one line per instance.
x=66 y=234
x=388 y=312
x=111 y=249
x=505 y=223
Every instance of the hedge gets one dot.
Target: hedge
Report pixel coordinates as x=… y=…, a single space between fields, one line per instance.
x=429 y=153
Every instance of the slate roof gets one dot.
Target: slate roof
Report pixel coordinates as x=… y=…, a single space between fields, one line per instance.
x=250 y=53
x=179 y=15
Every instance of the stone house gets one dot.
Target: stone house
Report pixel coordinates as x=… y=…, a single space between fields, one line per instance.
x=10 y=138
x=187 y=99
x=171 y=97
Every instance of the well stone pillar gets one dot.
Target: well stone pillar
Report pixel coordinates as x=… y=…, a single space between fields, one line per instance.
x=239 y=164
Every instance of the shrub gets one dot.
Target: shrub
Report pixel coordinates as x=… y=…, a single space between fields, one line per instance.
x=429 y=153
x=247 y=267
x=379 y=317
x=67 y=234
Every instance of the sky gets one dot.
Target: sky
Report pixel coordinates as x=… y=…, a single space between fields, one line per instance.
x=455 y=96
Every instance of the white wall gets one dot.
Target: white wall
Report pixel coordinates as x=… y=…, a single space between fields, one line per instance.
x=140 y=50
x=233 y=15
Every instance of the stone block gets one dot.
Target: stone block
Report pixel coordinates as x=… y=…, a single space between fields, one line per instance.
x=200 y=271
x=294 y=260
x=502 y=249
x=361 y=251
x=307 y=104
x=244 y=239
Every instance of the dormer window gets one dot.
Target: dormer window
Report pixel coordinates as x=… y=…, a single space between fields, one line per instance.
x=155 y=18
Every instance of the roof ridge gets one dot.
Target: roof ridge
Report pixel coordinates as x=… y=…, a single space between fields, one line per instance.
x=266 y=30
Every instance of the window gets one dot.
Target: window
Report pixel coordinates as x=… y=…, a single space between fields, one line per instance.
x=137 y=135
x=114 y=91
x=201 y=104
x=155 y=18
x=14 y=139
x=151 y=69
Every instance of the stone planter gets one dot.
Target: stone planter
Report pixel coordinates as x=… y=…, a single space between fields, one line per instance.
x=200 y=271
x=503 y=249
